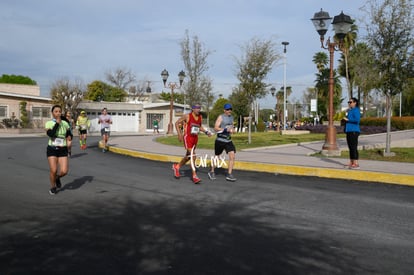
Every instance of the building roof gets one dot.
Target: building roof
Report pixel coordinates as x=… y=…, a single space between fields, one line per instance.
x=22 y=96
x=163 y=104
x=111 y=106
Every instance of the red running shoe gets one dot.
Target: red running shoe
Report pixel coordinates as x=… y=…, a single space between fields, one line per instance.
x=176 y=169
x=196 y=179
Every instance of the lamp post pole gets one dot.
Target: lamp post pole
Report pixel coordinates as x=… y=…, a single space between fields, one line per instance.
x=273 y=92
x=330 y=140
x=284 y=84
x=172 y=86
x=342 y=25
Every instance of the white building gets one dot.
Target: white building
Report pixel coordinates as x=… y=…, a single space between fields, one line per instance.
x=132 y=117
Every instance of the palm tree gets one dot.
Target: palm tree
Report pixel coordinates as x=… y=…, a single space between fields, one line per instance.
x=322 y=86
x=321 y=60
x=346 y=45
x=362 y=67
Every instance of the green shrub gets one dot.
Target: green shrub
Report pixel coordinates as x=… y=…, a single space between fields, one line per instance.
x=24 y=120
x=399 y=123
x=261 y=126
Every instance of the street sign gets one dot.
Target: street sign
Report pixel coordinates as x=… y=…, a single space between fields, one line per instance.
x=314 y=105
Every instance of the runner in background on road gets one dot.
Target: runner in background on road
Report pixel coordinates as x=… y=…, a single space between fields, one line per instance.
x=224 y=128
x=58 y=131
x=83 y=123
x=68 y=118
x=105 y=120
x=191 y=125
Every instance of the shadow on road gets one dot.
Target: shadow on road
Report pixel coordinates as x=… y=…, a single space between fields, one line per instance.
x=162 y=238
x=76 y=184
x=78 y=155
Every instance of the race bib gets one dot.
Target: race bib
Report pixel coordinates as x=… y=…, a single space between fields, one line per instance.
x=83 y=127
x=195 y=130
x=106 y=129
x=58 y=142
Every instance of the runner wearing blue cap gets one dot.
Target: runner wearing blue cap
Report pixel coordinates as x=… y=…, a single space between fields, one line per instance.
x=224 y=128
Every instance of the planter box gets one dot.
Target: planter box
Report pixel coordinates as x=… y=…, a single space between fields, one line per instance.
x=295 y=132
x=22 y=131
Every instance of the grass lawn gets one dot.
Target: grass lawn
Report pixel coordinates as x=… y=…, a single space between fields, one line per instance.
x=275 y=138
x=257 y=140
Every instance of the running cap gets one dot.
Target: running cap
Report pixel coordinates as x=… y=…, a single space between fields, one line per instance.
x=197 y=106
x=227 y=106
x=83 y=112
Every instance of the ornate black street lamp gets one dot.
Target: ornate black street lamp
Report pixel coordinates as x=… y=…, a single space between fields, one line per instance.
x=342 y=25
x=172 y=86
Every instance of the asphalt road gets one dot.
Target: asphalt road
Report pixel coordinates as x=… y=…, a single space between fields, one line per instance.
x=120 y=215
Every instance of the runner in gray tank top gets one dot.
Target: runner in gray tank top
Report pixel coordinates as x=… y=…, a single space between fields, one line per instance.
x=224 y=128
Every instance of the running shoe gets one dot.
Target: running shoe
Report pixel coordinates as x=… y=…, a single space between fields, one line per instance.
x=58 y=183
x=354 y=166
x=211 y=175
x=230 y=177
x=196 y=179
x=53 y=191
x=103 y=150
x=176 y=169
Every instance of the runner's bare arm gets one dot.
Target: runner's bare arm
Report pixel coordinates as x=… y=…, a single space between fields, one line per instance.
x=179 y=124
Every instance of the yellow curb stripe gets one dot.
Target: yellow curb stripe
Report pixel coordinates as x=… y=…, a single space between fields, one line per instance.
x=346 y=174
x=359 y=175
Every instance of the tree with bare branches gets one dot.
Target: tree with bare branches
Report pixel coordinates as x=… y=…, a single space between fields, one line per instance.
x=120 y=78
x=194 y=55
x=67 y=94
x=257 y=60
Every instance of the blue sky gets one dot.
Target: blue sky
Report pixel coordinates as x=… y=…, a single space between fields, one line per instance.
x=82 y=39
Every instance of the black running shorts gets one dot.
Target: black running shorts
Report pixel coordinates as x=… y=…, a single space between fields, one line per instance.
x=54 y=151
x=219 y=146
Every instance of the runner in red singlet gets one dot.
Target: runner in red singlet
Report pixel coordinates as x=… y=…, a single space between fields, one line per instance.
x=191 y=124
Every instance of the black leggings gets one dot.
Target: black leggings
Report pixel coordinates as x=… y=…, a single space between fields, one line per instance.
x=352 y=140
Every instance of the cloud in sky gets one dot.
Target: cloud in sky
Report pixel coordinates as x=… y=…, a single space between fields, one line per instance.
x=82 y=39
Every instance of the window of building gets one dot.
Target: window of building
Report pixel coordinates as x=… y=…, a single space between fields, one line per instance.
x=152 y=117
x=40 y=112
x=3 y=111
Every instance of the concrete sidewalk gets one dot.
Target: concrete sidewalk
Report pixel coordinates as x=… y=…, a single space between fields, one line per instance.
x=293 y=159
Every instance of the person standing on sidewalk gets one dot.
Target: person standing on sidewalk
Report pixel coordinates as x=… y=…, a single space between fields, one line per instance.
x=224 y=129
x=352 y=131
x=58 y=131
x=191 y=124
x=155 y=125
x=83 y=123
x=105 y=120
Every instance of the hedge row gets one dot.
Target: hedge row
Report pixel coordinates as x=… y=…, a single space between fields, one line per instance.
x=365 y=130
x=399 y=123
